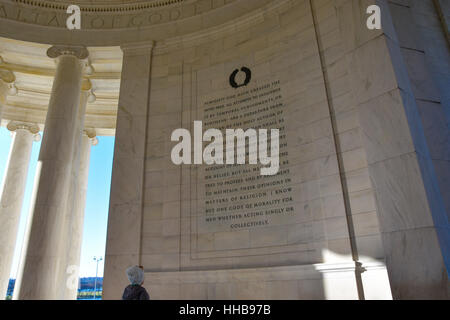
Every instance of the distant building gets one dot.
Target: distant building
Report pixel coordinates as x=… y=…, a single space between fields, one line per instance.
x=89 y=284
x=10 y=290
x=85 y=285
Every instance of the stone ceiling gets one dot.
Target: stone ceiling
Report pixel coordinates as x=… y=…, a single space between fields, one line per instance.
x=34 y=73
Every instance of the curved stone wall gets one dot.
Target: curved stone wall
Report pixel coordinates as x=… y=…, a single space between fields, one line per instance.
x=356 y=198
x=288 y=235
x=352 y=149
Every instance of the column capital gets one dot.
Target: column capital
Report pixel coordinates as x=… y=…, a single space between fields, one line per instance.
x=88 y=67
x=86 y=86
x=32 y=127
x=9 y=78
x=92 y=135
x=78 y=51
x=7 y=75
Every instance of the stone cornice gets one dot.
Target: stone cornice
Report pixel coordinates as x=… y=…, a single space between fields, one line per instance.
x=101 y=8
x=188 y=21
x=229 y=28
x=94 y=17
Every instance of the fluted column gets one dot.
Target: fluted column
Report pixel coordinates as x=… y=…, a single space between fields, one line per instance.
x=41 y=259
x=88 y=139
x=11 y=194
x=68 y=273
x=69 y=269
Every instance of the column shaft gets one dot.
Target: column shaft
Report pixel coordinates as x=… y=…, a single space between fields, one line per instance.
x=77 y=214
x=68 y=271
x=40 y=267
x=11 y=198
x=70 y=268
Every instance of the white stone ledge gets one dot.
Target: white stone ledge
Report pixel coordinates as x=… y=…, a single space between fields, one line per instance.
x=286 y=273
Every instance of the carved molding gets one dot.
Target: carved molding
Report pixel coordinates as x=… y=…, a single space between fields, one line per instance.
x=106 y=16
x=105 y=7
x=187 y=21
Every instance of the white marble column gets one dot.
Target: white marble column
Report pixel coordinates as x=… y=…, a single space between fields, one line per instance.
x=11 y=194
x=41 y=255
x=77 y=210
x=68 y=273
x=3 y=90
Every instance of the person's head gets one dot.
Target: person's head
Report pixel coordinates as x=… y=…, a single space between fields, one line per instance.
x=136 y=275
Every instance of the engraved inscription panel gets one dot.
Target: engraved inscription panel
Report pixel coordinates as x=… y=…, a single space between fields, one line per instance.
x=235 y=198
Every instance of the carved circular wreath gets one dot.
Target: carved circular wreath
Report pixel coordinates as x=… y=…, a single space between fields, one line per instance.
x=248 y=77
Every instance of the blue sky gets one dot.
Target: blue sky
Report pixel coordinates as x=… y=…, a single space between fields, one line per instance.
x=97 y=202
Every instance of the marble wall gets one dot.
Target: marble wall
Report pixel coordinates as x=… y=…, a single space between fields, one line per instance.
x=366 y=200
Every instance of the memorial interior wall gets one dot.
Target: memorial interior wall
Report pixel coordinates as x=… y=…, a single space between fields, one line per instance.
x=361 y=191
x=231 y=218
x=356 y=190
